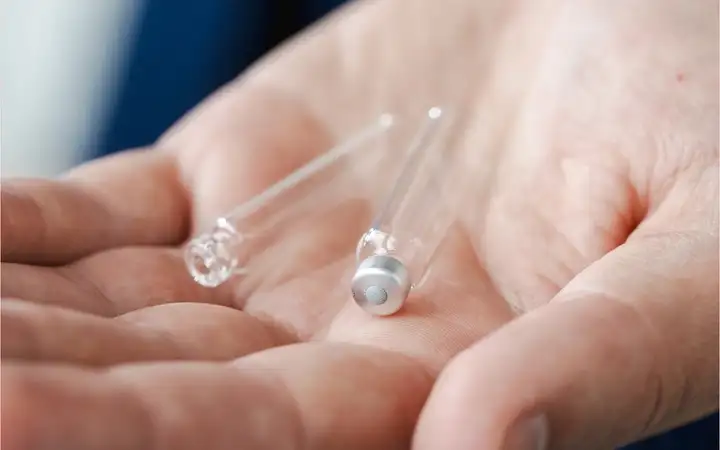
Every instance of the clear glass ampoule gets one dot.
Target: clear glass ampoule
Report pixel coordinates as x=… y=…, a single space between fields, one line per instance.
x=394 y=254
x=282 y=231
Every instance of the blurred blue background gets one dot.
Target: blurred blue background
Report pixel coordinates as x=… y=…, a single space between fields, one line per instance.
x=93 y=77
x=181 y=54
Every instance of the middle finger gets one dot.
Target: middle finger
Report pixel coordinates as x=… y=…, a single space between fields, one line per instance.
x=111 y=283
x=34 y=332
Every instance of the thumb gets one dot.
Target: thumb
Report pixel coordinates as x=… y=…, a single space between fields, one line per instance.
x=627 y=349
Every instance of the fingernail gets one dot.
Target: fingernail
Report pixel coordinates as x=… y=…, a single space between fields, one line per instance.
x=528 y=433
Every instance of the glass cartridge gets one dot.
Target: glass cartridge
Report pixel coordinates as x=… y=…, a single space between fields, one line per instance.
x=284 y=230
x=394 y=254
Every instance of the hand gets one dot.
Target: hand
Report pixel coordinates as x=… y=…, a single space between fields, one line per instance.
x=580 y=286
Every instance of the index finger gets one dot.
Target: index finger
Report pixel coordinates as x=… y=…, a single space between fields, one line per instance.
x=134 y=197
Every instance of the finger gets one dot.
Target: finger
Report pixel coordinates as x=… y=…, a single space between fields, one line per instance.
x=111 y=283
x=248 y=154
x=131 y=198
x=34 y=332
x=49 y=285
x=311 y=396
x=627 y=349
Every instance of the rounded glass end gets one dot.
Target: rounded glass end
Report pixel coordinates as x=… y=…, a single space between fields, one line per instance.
x=210 y=258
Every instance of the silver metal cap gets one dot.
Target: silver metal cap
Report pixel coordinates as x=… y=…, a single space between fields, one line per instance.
x=380 y=285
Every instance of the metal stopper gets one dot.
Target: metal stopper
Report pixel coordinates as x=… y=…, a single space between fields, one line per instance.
x=380 y=285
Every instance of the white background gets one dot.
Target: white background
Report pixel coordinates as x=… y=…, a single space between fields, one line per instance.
x=59 y=64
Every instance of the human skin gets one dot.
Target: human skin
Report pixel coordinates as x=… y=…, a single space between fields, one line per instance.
x=575 y=302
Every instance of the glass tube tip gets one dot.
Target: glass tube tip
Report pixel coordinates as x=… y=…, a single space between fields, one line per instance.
x=386 y=120
x=210 y=257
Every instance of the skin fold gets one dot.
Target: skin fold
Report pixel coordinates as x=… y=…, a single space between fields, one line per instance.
x=574 y=300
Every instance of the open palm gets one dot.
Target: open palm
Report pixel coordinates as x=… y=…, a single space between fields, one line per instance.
x=590 y=131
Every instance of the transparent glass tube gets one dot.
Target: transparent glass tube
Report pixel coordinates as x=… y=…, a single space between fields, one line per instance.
x=259 y=235
x=395 y=252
